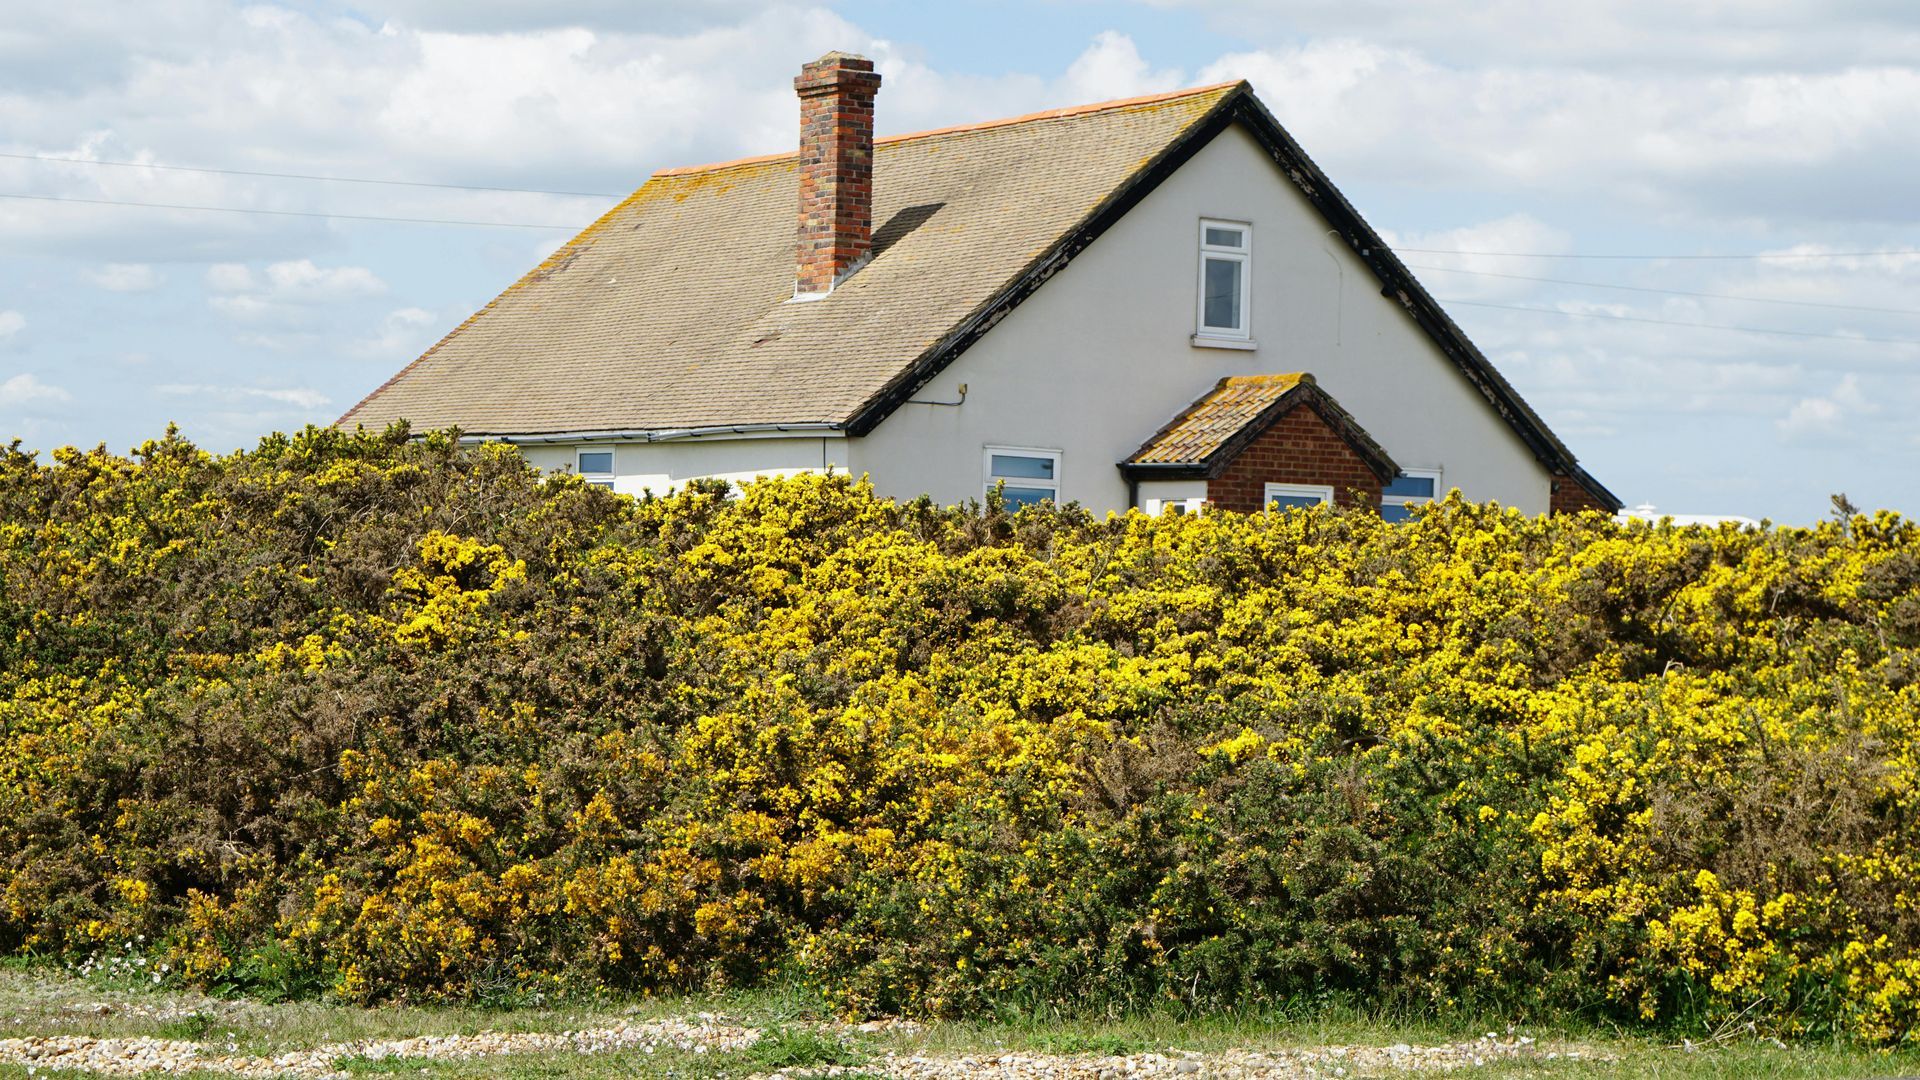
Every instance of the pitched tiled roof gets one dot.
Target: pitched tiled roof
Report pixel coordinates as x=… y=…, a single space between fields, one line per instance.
x=672 y=310
x=1209 y=434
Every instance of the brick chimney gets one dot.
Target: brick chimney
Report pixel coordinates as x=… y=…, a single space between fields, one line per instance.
x=836 y=170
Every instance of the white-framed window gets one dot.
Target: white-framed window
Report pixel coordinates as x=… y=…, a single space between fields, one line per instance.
x=1226 y=272
x=1288 y=496
x=1412 y=486
x=1030 y=474
x=1157 y=507
x=595 y=465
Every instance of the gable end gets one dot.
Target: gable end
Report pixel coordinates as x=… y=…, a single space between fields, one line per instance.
x=1396 y=284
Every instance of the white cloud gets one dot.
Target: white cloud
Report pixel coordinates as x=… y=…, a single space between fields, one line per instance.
x=230 y=277
x=125 y=277
x=1638 y=36
x=296 y=280
x=300 y=398
x=1708 y=144
x=303 y=280
x=403 y=333
x=1112 y=67
x=656 y=16
x=25 y=388
x=1438 y=261
x=282 y=289
x=11 y=323
x=1825 y=416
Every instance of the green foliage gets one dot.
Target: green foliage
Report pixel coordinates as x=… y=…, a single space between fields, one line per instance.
x=400 y=718
x=801 y=1047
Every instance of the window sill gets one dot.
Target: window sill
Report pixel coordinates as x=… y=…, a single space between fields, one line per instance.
x=1207 y=341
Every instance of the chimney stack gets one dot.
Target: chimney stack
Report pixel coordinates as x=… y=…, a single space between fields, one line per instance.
x=836 y=170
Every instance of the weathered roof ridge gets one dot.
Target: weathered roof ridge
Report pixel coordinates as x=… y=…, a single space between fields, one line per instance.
x=978 y=125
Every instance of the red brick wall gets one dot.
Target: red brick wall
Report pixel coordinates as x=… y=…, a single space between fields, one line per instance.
x=836 y=168
x=1569 y=497
x=1299 y=449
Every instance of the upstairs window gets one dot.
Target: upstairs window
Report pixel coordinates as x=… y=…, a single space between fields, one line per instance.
x=1226 y=265
x=595 y=465
x=1029 y=475
x=1403 y=492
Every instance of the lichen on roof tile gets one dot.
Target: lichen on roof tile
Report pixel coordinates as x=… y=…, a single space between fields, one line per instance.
x=671 y=310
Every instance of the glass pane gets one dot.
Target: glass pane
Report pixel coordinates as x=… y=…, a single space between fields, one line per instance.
x=1287 y=502
x=1017 y=497
x=596 y=461
x=1219 y=237
x=1020 y=465
x=1221 y=310
x=1418 y=487
x=1396 y=512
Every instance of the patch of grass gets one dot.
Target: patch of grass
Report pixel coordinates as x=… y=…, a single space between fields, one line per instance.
x=42 y=1001
x=191 y=1028
x=1104 y=1044
x=798 y=1047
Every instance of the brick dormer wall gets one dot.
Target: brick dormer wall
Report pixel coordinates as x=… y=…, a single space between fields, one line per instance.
x=1300 y=448
x=1570 y=496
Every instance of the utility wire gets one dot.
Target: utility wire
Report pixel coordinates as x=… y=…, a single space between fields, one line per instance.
x=1762 y=255
x=1693 y=325
x=282 y=213
x=307 y=176
x=1670 y=292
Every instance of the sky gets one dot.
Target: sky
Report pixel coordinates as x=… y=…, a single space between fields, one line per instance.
x=1688 y=233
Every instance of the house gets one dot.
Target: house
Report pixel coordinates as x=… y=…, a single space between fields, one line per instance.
x=1159 y=302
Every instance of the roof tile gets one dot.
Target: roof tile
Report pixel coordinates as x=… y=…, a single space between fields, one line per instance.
x=672 y=311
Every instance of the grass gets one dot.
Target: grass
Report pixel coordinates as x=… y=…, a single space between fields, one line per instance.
x=40 y=1001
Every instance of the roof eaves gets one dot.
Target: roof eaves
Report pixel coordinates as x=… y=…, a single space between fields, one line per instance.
x=560 y=257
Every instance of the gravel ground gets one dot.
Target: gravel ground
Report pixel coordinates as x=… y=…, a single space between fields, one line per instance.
x=706 y=1033
x=1321 y=1063
x=132 y=1057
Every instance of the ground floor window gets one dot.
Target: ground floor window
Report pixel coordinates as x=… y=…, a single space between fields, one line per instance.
x=1158 y=507
x=1403 y=492
x=1287 y=496
x=595 y=465
x=1029 y=475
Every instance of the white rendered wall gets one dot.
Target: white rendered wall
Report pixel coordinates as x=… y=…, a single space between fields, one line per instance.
x=1100 y=358
x=661 y=467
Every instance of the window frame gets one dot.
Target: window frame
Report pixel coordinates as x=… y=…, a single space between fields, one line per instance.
x=1243 y=255
x=597 y=479
x=1161 y=507
x=1435 y=473
x=1324 y=492
x=990 y=478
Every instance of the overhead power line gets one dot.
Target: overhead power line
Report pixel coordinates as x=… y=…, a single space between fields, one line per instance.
x=308 y=176
x=1691 y=325
x=1649 y=258
x=1670 y=292
x=283 y=213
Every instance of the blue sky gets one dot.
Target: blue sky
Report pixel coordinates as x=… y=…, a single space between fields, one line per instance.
x=1774 y=128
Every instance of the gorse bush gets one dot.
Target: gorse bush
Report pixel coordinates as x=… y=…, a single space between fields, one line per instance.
x=381 y=718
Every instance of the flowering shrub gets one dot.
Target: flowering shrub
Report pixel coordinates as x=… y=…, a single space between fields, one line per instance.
x=395 y=718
